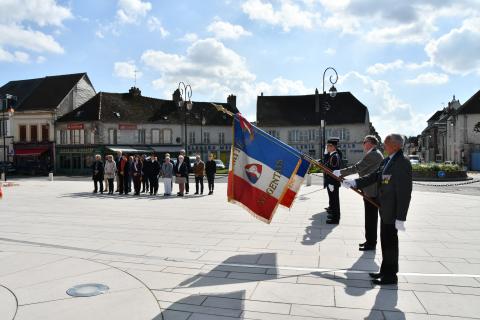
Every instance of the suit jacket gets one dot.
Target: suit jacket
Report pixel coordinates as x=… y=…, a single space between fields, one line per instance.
x=97 y=170
x=370 y=163
x=394 y=181
x=181 y=169
x=333 y=162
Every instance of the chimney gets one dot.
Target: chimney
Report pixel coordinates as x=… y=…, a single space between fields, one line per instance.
x=135 y=92
x=232 y=100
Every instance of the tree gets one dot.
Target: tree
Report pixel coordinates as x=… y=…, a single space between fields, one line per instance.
x=477 y=127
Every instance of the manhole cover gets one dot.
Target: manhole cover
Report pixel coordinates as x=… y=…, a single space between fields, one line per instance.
x=87 y=290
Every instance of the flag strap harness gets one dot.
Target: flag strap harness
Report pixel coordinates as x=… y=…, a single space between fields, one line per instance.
x=312 y=161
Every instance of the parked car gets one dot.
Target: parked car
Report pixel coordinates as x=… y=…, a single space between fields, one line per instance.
x=219 y=163
x=414 y=159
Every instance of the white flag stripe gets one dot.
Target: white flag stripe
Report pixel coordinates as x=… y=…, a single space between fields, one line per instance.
x=269 y=181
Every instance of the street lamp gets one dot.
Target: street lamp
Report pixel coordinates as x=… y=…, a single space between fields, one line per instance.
x=184 y=102
x=9 y=110
x=325 y=106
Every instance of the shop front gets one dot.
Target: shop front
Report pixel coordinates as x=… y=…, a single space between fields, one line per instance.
x=33 y=159
x=76 y=160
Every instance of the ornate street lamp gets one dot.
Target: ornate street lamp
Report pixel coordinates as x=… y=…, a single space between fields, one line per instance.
x=184 y=102
x=7 y=108
x=325 y=106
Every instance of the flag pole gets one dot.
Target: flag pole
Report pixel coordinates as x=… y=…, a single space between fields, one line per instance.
x=312 y=161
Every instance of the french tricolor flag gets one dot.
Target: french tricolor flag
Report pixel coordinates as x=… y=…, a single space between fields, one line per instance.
x=263 y=170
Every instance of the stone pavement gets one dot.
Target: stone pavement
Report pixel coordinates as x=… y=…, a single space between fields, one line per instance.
x=199 y=257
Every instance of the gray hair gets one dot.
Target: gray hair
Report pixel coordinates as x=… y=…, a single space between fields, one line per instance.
x=372 y=139
x=396 y=138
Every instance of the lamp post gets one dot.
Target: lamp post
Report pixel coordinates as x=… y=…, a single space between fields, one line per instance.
x=184 y=102
x=10 y=111
x=322 y=108
x=203 y=121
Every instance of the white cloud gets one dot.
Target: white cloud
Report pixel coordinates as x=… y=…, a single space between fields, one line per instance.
x=43 y=13
x=130 y=11
x=290 y=14
x=189 y=37
x=430 y=78
x=18 y=37
x=154 y=25
x=388 y=113
x=17 y=56
x=226 y=30
x=126 y=70
x=330 y=51
x=457 y=51
x=41 y=59
x=379 y=68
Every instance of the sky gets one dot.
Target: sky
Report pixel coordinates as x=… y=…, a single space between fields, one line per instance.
x=402 y=59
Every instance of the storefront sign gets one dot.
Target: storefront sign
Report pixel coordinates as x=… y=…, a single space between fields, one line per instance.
x=75 y=126
x=127 y=127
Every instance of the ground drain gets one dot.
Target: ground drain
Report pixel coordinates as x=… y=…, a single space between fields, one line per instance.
x=87 y=290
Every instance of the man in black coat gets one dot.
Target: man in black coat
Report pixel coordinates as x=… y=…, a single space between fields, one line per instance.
x=153 y=177
x=333 y=161
x=394 y=182
x=210 y=170
x=146 y=171
x=97 y=173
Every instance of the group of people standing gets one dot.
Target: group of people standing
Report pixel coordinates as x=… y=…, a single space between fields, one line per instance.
x=145 y=171
x=387 y=183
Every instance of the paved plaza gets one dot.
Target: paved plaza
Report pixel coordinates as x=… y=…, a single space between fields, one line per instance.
x=201 y=258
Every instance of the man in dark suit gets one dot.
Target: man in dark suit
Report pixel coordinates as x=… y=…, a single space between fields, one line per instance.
x=97 y=173
x=369 y=163
x=394 y=181
x=333 y=161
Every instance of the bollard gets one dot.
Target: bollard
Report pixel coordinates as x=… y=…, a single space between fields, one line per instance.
x=3 y=176
x=309 y=180
x=50 y=176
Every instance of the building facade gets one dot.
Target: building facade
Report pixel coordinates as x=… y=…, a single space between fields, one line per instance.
x=39 y=103
x=134 y=124
x=296 y=121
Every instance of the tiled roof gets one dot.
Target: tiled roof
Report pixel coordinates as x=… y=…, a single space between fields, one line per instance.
x=300 y=110
x=128 y=108
x=41 y=93
x=472 y=105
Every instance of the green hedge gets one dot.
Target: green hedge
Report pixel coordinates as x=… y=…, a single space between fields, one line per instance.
x=435 y=167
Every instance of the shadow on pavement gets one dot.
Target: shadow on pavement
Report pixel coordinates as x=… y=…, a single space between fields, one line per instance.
x=317 y=230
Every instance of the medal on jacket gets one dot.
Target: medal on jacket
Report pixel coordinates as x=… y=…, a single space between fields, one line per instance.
x=386 y=178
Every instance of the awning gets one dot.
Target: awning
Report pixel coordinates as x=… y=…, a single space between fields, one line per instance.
x=30 y=152
x=167 y=148
x=128 y=149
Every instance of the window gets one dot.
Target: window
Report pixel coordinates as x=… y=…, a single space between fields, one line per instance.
x=112 y=136
x=221 y=138
x=155 y=136
x=191 y=137
x=274 y=133
x=293 y=136
x=303 y=136
x=141 y=136
x=206 y=137
x=33 y=133
x=3 y=127
x=23 y=133
x=77 y=136
x=313 y=134
x=63 y=137
x=167 y=136
x=45 y=132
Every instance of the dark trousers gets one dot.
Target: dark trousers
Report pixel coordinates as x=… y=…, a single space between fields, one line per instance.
x=95 y=182
x=110 y=185
x=126 y=183
x=389 y=241
x=153 y=181
x=137 y=183
x=334 y=202
x=199 y=180
x=121 y=183
x=371 y=222
x=187 y=187
x=211 y=180
x=145 y=183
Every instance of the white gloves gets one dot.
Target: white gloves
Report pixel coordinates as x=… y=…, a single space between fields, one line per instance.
x=400 y=225
x=330 y=187
x=337 y=173
x=349 y=184
x=325 y=151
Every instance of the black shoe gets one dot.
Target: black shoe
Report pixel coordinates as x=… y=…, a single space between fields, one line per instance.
x=186 y=192
x=180 y=195
x=196 y=193
x=362 y=244
x=385 y=281
x=367 y=248
x=374 y=275
x=327 y=208
x=332 y=221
